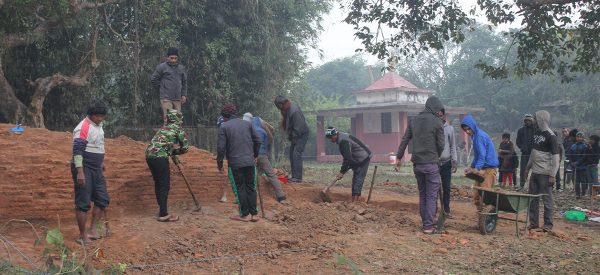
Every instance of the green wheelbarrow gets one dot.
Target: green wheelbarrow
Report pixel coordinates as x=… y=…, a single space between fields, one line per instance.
x=500 y=201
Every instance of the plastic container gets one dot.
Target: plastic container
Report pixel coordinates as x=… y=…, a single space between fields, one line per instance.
x=283 y=179
x=392 y=158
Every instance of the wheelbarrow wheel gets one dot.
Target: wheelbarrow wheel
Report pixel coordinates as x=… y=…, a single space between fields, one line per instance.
x=487 y=221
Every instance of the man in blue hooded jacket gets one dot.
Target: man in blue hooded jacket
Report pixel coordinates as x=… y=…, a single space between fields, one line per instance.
x=485 y=159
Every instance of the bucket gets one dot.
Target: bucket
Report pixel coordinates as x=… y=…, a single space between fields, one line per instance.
x=392 y=159
x=283 y=179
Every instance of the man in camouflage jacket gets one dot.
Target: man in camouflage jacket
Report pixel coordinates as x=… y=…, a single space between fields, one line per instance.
x=157 y=156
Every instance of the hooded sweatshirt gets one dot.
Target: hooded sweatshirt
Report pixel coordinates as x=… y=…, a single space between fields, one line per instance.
x=545 y=155
x=484 y=154
x=427 y=134
x=264 y=137
x=163 y=142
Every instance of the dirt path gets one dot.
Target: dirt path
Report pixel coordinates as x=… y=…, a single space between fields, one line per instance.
x=319 y=238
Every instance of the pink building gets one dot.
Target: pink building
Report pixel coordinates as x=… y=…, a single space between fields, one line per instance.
x=381 y=115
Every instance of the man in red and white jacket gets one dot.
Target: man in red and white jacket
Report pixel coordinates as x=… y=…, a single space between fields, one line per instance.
x=87 y=169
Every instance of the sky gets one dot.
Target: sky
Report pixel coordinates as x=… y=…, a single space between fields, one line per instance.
x=337 y=39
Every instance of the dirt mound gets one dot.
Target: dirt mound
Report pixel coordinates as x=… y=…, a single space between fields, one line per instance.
x=36 y=179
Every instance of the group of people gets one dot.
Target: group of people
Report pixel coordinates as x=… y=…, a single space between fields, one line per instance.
x=245 y=142
x=580 y=158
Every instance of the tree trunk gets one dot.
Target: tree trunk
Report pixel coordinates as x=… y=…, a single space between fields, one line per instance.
x=10 y=106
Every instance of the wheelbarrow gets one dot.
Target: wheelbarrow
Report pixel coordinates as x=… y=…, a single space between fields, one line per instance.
x=501 y=201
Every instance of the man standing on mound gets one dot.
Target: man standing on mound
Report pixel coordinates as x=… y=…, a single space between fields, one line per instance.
x=87 y=169
x=157 y=157
x=239 y=142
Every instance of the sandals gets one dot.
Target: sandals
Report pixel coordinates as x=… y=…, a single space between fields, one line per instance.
x=241 y=219
x=168 y=218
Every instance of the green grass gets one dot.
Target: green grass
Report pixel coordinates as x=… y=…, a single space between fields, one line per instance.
x=325 y=172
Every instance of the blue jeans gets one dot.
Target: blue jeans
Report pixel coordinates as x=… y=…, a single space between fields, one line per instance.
x=428 y=181
x=296 y=150
x=446 y=175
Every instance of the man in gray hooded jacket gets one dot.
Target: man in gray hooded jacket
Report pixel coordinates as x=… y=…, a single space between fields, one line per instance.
x=427 y=133
x=543 y=163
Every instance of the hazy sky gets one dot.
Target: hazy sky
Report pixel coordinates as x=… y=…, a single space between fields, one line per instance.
x=337 y=39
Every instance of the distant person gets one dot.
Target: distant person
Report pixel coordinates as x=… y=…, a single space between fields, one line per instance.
x=239 y=142
x=592 y=156
x=561 y=155
x=525 y=144
x=543 y=164
x=448 y=163
x=426 y=132
x=294 y=123
x=485 y=159
x=168 y=141
x=568 y=141
x=577 y=161
x=87 y=167
x=171 y=80
x=356 y=156
x=508 y=159
x=262 y=162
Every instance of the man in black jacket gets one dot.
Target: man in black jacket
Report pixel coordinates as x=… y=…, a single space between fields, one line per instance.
x=239 y=142
x=427 y=133
x=356 y=157
x=294 y=123
x=525 y=144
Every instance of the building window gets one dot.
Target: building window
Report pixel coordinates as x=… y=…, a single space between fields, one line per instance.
x=386 y=123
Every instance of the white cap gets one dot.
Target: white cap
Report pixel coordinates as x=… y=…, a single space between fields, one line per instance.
x=248 y=117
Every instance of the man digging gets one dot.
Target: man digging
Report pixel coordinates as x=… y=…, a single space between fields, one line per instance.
x=357 y=157
x=87 y=169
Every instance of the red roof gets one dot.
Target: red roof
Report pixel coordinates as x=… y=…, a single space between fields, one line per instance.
x=391 y=80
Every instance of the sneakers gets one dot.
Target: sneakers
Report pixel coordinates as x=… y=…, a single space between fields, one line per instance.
x=295 y=180
x=285 y=202
x=447 y=215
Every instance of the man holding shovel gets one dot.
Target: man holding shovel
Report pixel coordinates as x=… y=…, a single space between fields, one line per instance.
x=357 y=157
x=427 y=134
x=157 y=158
x=239 y=142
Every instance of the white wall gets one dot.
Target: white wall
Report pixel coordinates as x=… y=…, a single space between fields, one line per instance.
x=390 y=96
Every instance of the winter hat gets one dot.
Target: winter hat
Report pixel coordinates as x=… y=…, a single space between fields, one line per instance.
x=528 y=117
x=279 y=101
x=248 y=117
x=580 y=134
x=573 y=132
x=172 y=51
x=174 y=117
x=228 y=110
x=220 y=121
x=330 y=131
x=97 y=107
x=506 y=135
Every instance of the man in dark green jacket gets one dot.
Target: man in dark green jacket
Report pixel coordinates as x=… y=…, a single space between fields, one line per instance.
x=356 y=157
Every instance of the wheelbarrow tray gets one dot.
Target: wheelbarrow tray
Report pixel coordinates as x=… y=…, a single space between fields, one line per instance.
x=497 y=201
x=505 y=201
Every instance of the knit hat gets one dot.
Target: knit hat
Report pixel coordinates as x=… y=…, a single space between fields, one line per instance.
x=248 y=117
x=174 y=117
x=97 y=107
x=528 y=117
x=172 y=51
x=228 y=110
x=330 y=131
x=573 y=132
x=580 y=134
x=506 y=135
x=279 y=101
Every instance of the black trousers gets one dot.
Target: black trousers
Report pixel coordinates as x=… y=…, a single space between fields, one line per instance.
x=159 y=167
x=243 y=183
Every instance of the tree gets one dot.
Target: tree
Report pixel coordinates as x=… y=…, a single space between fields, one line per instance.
x=42 y=25
x=555 y=37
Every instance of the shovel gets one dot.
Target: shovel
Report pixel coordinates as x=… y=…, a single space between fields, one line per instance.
x=442 y=216
x=324 y=196
x=178 y=163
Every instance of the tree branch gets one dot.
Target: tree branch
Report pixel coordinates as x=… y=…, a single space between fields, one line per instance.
x=539 y=3
x=77 y=5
